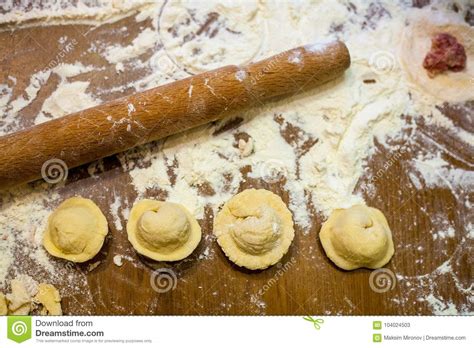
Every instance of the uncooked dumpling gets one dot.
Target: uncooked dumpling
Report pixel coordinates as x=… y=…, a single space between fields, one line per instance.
x=76 y=230
x=254 y=229
x=357 y=237
x=163 y=231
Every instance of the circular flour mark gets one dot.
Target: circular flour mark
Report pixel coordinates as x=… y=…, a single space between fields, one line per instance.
x=201 y=36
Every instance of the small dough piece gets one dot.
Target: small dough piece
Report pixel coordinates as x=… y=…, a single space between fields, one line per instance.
x=76 y=230
x=19 y=300
x=357 y=237
x=254 y=229
x=118 y=261
x=163 y=231
x=3 y=304
x=50 y=300
x=416 y=43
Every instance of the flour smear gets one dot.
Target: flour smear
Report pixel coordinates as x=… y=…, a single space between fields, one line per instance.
x=336 y=125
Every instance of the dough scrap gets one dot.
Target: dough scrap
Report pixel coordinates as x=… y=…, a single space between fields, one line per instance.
x=50 y=300
x=254 y=229
x=3 y=304
x=163 y=231
x=19 y=300
x=27 y=297
x=416 y=43
x=76 y=230
x=357 y=237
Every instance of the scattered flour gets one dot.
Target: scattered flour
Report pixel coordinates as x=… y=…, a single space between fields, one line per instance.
x=119 y=67
x=114 y=210
x=449 y=233
x=143 y=42
x=69 y=97
x=55 y=12
x=36 y=82
x=335 y=125
x=439 y=306
x=436 y=172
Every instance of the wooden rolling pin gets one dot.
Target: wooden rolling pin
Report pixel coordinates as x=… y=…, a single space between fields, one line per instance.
x=123 y=123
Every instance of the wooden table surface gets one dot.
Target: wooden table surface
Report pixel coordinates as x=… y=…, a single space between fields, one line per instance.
x=305 y=282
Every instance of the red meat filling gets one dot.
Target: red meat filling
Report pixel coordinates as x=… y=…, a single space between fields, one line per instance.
x=446 y=54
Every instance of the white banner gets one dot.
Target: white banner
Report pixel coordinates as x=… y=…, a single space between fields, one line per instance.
x=175 y=331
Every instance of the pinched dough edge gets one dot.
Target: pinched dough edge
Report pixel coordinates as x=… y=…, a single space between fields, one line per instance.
x=182 y=252
x=225 y=219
